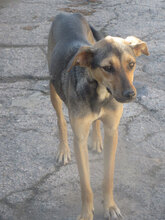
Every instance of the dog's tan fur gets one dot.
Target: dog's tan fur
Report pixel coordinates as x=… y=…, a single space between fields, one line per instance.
x=109 y=114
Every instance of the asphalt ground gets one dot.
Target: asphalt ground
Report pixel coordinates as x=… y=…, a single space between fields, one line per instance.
x=32 y=185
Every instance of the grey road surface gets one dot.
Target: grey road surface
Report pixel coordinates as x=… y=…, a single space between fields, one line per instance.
x=32 y=185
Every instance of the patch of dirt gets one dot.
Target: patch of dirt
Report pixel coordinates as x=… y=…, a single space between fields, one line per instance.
x=82 y=11
x=30 y=28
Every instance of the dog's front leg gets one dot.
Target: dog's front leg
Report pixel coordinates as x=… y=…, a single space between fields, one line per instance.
x=81 y=130
x=110 y=145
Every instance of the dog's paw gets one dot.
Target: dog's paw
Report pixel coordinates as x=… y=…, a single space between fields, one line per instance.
x=63 y=155
x=112 y=213
x=96 y=144
x=88 y=217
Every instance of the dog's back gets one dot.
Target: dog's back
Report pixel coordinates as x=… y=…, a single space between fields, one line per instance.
x=68 y=33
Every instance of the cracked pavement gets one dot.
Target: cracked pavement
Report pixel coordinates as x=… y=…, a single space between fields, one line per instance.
x=32 y=185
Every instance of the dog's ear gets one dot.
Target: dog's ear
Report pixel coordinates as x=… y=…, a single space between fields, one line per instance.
x=139 y=47
x=82 y=58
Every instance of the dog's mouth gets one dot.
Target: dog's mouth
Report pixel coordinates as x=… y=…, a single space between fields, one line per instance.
x=108 y=89
x=125 y=100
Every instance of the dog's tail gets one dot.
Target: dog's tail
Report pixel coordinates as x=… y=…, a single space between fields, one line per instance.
x=97 y=35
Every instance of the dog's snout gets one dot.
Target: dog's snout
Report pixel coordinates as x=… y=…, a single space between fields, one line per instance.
x=129 y=93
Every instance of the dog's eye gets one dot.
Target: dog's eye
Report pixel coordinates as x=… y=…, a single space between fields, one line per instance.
x=131 y=65
x=108 y=68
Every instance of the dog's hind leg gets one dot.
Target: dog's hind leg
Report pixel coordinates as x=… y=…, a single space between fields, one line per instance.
x=96 y=139
x=63 y=154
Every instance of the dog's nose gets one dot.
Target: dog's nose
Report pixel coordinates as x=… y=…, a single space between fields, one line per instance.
x=129 y=93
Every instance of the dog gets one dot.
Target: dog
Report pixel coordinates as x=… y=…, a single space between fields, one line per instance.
x=93 y=76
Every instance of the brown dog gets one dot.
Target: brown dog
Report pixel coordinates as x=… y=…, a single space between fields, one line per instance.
x=93 y=76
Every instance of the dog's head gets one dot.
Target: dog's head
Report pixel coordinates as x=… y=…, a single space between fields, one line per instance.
x=111 y=62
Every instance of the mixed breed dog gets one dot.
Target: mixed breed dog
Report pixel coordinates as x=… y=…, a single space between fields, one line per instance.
x=93 y=76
